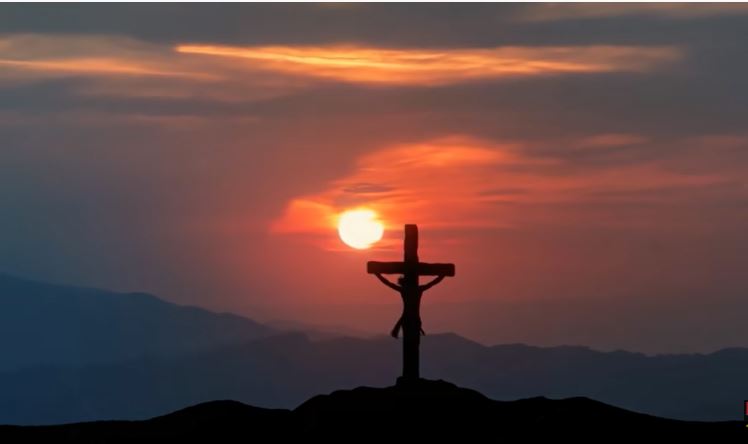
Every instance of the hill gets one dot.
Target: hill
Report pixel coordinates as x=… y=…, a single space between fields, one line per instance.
x=425 y=409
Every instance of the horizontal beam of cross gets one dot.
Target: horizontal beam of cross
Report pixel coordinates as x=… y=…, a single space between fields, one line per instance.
x=423 y=268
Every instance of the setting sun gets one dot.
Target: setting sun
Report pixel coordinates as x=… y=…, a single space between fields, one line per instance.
x=360 y=228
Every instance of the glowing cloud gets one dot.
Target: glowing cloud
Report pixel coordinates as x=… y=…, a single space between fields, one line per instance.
x=461 y=182
x=426 y=66
x=123 y=66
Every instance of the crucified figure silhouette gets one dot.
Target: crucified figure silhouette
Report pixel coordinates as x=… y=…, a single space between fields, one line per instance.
x=410 y=269
x=411 y=301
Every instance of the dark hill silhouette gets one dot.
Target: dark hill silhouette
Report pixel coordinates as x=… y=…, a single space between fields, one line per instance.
x=50 y=324
x=426 y=409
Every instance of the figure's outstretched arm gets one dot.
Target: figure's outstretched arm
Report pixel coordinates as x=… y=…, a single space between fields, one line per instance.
x=432 y=283
x=387 y=283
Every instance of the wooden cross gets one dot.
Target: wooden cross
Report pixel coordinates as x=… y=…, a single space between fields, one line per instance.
x=410 y=291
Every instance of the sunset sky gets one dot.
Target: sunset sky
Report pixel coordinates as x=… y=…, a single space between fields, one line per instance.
x=584 y=166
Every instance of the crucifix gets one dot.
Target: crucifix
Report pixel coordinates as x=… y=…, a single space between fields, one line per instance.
x=411 y=291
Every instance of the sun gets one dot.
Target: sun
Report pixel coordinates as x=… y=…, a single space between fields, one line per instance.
x=360 y=228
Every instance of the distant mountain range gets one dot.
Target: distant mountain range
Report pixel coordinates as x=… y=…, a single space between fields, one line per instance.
x=76 y=354
x=425 y=409
x=48 y=324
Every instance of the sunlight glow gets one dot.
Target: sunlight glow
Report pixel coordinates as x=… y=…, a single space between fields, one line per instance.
x=360 y=228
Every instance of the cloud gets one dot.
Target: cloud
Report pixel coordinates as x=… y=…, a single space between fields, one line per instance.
x=611 y=140
x=460 y=182
x=366 y=188
x=108 y=75
x=89 y=67
x=383 y=66
x=570 y=11
x=51 y=55
x=126 y=67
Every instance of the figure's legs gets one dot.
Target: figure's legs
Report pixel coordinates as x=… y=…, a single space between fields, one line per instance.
x=395 y=333
x=420 y=329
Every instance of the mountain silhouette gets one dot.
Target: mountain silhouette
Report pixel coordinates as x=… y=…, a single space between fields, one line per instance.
x=284 y=370
x=426 y=408
x=105 y=355
x=50 y=324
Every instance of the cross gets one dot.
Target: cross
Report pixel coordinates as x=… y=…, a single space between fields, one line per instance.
x=410 y=291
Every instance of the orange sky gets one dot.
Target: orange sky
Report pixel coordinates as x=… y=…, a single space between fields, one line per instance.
x=584 y=167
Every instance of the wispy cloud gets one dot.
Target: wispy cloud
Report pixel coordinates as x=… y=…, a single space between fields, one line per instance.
x=542 y=12
x=461 y=182
x=95 y=55
x=610 y=140
x=372 y=65
x=93 y=67
x=127 y=67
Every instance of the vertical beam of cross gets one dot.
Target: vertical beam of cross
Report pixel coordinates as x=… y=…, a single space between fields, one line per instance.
x=411 y=306
x=411 y=291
